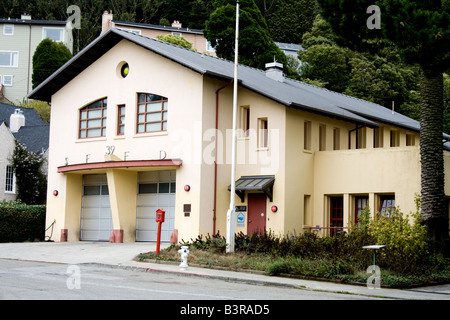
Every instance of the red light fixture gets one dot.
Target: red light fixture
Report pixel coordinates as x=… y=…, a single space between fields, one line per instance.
x=187 y=187
x=274 y=208
x=55 y=192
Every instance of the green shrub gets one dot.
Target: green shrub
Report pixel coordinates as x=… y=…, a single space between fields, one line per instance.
x=406 y=246
x=20 y=222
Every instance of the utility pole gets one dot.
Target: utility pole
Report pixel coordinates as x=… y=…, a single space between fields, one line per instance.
x=231 y=211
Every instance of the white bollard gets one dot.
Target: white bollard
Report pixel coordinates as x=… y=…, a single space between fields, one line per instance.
x=184 y=254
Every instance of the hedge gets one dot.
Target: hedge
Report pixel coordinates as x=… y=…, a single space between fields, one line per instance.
x=20 y=222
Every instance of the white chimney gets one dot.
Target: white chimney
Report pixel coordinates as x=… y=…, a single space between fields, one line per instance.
x=25 y=16
x=107 y=18
x=176 y=24
x=16 y=121
x=274 y=70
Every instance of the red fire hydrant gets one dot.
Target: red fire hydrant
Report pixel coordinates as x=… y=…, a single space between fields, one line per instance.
x=160 y=216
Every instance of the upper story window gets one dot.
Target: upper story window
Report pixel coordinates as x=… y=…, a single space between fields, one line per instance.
x=151 y=113
x=9 y=58
x=93 y=120
x=55 y=34
x=8 y=29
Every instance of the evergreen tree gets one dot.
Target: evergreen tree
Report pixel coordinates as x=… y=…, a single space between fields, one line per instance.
x=256 y=48
x=48 y=57
x=420 y=29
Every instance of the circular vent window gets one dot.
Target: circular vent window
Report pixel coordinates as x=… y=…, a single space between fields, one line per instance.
x=125 y=70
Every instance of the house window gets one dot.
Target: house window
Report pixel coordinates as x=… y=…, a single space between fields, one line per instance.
x=9 y=58
x=177 y=34
x=93 y=120
x=307 y=219
x=322 y=137
x=336 y=215
x=378 y=137
x=361 y=137
x=55 y=34
x=8 y=29
x=361 y=202
x=263 y=133
x=307 y=135
x=10 y=185
x=395 y=138
x=120 y=120
x=410 y=141
x=151 y=113
x=7 y=81
x=387 y=204
x=336 y=139
x=245 y=121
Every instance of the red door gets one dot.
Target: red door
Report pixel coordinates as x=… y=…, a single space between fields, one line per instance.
x=256 y=213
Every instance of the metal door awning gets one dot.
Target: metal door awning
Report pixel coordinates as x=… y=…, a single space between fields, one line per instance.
x=254 y=183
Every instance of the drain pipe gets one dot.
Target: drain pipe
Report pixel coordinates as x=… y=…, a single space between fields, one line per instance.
x=215 y=154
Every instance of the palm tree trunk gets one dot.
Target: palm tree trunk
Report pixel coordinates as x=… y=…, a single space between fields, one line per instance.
x=433 y=203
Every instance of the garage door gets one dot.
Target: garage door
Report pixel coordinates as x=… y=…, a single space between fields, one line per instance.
x=156 y=191
x=96 y=217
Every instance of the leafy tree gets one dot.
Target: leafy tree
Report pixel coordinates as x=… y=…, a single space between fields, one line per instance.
x=176 y=40
x=420 y=30
x=291 y=19
x=31 y=182
x=48 y=57
x=256 y=48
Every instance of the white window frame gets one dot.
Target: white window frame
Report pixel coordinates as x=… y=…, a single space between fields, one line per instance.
x=44 y=29
x=10 y=83
x=177 y=34
x=5 y=26
x=14 y=63
x=10 y=186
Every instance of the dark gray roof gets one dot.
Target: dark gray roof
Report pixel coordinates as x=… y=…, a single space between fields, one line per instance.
x=34 y=138
x=32 y=21
x=34 y=135
x=31 y=116
x=157 y=27
x=290 y=93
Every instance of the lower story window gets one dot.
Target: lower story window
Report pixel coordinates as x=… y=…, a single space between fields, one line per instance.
x=336 y=215
x=361 y=202
x=387 y=204
x=10 y=183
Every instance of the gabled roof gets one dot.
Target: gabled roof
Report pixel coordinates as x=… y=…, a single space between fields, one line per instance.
x=290 y=93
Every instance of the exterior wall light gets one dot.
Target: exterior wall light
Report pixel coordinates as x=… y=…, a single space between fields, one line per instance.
x=187 y=187
x=274 y=208
x=55 y=192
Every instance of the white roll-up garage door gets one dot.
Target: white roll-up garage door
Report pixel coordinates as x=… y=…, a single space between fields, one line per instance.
x=96 y=217
x=156 y=191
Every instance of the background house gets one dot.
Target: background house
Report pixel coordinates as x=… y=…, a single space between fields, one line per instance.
x=25 y=126
x=18 y=41
x=194 y=36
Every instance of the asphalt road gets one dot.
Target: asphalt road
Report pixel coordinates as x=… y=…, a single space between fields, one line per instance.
x=30 y=280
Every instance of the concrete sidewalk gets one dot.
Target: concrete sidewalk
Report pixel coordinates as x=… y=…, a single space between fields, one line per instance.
x=122 y=254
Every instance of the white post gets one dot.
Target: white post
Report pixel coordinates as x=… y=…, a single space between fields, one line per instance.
x=231 y=210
